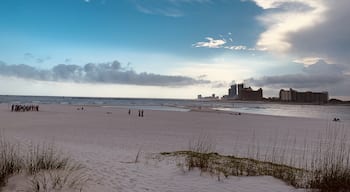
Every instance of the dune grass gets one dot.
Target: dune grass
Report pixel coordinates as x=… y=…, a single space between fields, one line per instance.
x=47 y=157
x=10 y=161
x=323 y=167
x=46 y=167
x=58 y=180
x=330 y=164
x=222 y=165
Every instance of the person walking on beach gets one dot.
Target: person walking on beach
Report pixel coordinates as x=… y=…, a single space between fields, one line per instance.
x=142 y=113
x=139 y=113
x=129 y=112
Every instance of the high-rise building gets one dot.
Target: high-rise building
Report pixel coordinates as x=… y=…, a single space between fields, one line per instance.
x=237 y=91
x=249 y=93
x=232 y=92
x=303 y=97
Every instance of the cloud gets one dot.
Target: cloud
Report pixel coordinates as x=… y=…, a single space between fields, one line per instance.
x=310 y=60
x=286 y=17
x=31 y=56
x=222 y=43
x=68 y=60
x=164 y=8
x=169 y=8
x=211 y=43
x=329 y=39
x=166 y=11
x=108 y=73
x=219 y=84
x=239 y=47
x=306 y=28
x=319 y=76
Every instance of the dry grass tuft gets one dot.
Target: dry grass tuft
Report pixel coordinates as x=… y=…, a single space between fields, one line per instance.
x=10 y=161
x=48 y=169
x=324 y=167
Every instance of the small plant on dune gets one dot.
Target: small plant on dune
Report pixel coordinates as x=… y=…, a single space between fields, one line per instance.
x=62 y=180
x=48 y=169
x=45 y=157
x=217 y=164
x=199 y=155
x=328 y=170
x=10 y=161
x=330 y=165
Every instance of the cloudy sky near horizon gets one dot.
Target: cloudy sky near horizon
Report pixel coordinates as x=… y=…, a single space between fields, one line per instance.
x=173 y=48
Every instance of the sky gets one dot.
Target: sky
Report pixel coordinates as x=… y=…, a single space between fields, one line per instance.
x=173 y=48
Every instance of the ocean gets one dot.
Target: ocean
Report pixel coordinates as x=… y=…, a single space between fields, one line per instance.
x=266 y=108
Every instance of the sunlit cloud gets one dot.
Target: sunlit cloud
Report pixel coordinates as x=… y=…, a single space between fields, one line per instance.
x=222 y=43
x=286 y=17
x=211 y=43
x=311 y=60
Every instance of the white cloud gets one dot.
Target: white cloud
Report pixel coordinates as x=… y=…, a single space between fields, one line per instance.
x=311 y=60
x=286 y=17
x=329 y=39
x=222 y=43
x=236 y=48
x=306 y=28
x=211 y=43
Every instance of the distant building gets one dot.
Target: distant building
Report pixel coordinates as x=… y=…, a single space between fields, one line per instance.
x=212 y=97
x=286 y=95
x=232 y=92
x=249 y=93
x=303 y=97
x=238 y=91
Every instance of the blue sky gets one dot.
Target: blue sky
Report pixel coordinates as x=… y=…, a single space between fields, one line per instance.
x=170 y=48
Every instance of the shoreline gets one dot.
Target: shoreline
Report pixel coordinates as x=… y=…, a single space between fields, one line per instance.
x=346 y=103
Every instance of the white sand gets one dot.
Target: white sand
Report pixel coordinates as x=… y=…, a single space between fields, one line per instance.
x=104 y=138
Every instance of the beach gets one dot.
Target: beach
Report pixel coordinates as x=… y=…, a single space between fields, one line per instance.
x=106 y=139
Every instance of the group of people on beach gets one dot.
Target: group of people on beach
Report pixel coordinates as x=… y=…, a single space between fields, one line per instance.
x=140 y=112
x=336 y=119
x=24 y=108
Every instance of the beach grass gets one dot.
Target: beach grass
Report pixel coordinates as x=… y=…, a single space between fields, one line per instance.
x=323 y=167
x=58 y=180
x=223 y=165
x=47 y=168
x=330 y=164
x=10 y=161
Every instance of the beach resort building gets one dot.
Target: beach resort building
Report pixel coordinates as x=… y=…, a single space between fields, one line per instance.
x=292 y=95
x=249 y=94
x=238 y=91
x=232 y=92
